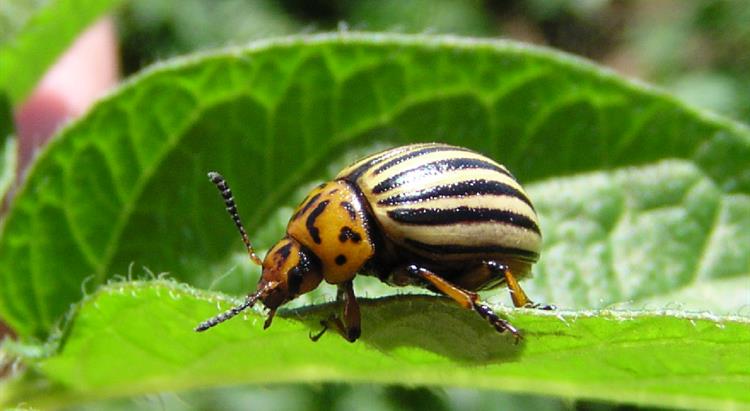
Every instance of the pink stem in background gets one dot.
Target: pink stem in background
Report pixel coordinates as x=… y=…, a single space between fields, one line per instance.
x=88 y=69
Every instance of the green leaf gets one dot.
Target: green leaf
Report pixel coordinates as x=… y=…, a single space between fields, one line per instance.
x=648 y=358
x=644 y=202
x=35 y=33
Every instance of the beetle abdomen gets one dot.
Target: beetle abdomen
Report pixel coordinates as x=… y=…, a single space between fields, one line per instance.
x=448 y=203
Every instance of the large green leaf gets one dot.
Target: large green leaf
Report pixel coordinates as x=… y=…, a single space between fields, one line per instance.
x=649 y=358
x=35 y=32
x=643 y=201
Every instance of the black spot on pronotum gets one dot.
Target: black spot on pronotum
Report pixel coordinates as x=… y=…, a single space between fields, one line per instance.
x=348 y=234
x=349 y=209
x=281 y=254
x=340 y=259
x=284 y=251
x=310 y=223
x=303 y=209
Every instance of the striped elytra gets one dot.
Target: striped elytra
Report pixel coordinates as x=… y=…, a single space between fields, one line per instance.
x=432 y=215
x=435 y=197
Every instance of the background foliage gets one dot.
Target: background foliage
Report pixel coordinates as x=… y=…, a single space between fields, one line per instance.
x=696 y=49
x=681 y=166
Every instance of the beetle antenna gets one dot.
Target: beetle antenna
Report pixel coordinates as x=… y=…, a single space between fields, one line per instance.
x=249 y=302
x=226 y=193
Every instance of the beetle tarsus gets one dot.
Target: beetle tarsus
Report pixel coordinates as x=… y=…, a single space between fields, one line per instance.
x=268 y=321
x=538 y=306
x=466 y=299
x=349 y=327
x=519 y=297
x=350 y=333
x=316 y=337
x=500 y=325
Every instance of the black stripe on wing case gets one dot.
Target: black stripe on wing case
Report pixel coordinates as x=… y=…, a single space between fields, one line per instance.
x=472 y=249
x=461 y=215
x=400 y=159
x=433 y=168
x=374 y=159
x=459 y=189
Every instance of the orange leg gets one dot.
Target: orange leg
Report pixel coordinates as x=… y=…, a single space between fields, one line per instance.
x=350 y=327
x=519 y=297
x=466 y=299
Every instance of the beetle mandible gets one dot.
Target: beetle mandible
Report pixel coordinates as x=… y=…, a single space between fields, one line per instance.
x=432 y=215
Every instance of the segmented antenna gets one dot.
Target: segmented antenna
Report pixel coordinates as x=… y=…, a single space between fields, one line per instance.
x=249 y=302
x=226 y=193
x=226 y=314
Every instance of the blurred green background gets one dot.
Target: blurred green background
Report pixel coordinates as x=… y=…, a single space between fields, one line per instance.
x=695 y=49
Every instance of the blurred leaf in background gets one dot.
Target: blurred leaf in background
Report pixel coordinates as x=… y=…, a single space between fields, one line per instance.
x=698 y=49
x=464 y=17
x=157 y=29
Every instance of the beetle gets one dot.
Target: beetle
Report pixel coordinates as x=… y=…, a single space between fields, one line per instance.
x=432 y=215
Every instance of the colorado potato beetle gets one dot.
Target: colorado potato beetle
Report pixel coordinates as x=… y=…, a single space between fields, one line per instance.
x=432 y=215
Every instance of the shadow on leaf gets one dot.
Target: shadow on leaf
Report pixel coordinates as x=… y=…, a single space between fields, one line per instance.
x=401 y=322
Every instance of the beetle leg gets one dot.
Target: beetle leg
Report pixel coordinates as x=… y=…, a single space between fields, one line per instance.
x=349 y=328
x=520 y=299
x=332 y=321
x=268 y=321
x=467 y=299
x=352 y=316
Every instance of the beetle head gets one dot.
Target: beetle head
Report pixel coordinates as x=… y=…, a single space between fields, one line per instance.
x=289 y=270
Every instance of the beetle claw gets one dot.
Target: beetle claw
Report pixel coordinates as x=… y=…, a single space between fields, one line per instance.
x=539 y=306
x=316 y=337
x=268 y=321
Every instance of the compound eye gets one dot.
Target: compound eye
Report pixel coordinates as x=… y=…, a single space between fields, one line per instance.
x=294 y=280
